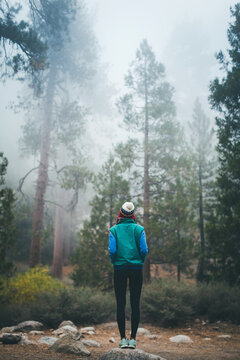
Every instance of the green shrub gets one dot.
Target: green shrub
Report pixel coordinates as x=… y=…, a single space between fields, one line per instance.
x=168 y=302
x=164 y=302
x=81 y=305
x=218 y=302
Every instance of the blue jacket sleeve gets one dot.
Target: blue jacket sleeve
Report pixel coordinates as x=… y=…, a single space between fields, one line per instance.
x=112 y=247
x=143 y=245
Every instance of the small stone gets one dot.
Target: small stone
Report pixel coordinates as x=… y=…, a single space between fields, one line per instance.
x=224 y=336
x=86 y=330
x=109 y=325
x=112 y=340
x=90 y=332
x=91 y=343
x=8 y=329
x=10 y=338
x=35 y=332
x=197 y=321
x=207 y=339
x=203 y=322
x=153 y=337
x=65 y=330
x=25 y=340
x=67 y=322
x=181 y=339
x=29 y=325
x=143 y=331
x=49 y=340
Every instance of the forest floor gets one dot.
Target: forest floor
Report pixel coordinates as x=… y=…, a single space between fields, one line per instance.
x=200 y=349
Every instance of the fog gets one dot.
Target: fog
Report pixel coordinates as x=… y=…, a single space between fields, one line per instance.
x=185 y=35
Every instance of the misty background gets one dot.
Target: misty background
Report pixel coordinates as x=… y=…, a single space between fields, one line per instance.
x=185 y=35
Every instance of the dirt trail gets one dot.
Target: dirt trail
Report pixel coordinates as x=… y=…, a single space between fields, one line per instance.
x=200 y=349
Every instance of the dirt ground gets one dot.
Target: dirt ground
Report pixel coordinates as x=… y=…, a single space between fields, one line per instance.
x=200 y=349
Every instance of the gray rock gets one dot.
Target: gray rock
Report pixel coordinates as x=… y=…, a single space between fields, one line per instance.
x=49 y=340
x=143 y=331
x=36 y=332
x=90 y=332
x=224 y=336
x=67 y=322
x=128 y=354
x=65 y=330
x=69 y=345
x=28 y=326
x=86 y=330
x=181 y=339
x=91 y=343
x=8 y=329
x=109 y=325
x=25 y=340
x=153 y=337
x=207 y=339
x=112 y=340
x=10 y=338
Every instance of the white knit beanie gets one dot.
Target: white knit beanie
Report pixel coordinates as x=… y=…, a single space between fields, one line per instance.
x=128 y=207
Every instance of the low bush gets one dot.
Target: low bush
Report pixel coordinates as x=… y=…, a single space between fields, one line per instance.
x=25 y=287
x=81 y=305
x=218 y=302
x=168 y=303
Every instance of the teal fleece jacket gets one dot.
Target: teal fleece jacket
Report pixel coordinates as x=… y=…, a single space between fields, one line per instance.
x=127 y=244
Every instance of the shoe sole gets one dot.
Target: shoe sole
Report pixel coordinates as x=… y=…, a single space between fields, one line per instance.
x=131 y=347
x=123 y=347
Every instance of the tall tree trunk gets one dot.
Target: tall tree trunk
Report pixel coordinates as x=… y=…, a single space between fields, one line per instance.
x=111 y=202
x=201 y=264
x=42 y=181
x=146 y=269
x=67 y=238
x=58 y=243
x=179 y=269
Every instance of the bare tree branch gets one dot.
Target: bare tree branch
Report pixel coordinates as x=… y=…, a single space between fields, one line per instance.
x=21 y=181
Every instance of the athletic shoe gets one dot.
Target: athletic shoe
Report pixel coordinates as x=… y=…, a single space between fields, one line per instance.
x=123 y=343
x=132 y=344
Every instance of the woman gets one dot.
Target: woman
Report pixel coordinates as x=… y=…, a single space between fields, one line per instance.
x=127 y=250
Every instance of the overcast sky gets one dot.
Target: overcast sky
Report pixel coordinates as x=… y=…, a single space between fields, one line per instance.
x=184 y=35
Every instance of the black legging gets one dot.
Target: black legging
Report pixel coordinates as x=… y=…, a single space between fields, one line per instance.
x=120 y=286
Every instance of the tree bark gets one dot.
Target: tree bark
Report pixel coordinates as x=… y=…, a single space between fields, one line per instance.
x=58 y=243
x=146 y=269
x=42 y=181
x=67 y=238
x=179 y=269
x=201 y=264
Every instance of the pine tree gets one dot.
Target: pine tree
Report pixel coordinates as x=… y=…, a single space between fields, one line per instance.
x=29 y=50
x=173 y=220
x=7 y=230
x=145 y=108
x=202 y=139
x=91 y=257
x=225 y=98
x=53 y=20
